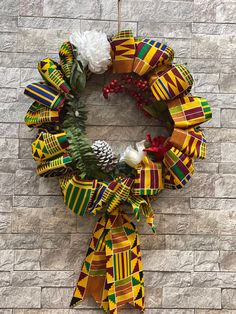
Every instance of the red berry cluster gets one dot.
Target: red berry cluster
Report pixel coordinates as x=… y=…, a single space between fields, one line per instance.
x=136 y=88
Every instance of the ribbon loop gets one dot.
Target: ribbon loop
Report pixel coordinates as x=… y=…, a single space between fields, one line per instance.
x=191 y=142
x=45 y=95
x=150 y=54
x=49 y=145
x=170 y=82
x=189 y=111
x=179 y=169
x=148 y=180
x=123 y=49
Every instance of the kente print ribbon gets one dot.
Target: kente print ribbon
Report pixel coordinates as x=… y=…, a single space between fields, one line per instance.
x=112 y=270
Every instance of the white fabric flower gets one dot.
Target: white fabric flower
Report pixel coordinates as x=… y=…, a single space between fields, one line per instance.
x=133 y=157
x=93 y=50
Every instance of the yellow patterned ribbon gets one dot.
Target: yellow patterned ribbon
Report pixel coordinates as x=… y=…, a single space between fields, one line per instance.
x=112 y=271
x=151 y=54
x=170 y=82
x=51 y=73
x=123 y=51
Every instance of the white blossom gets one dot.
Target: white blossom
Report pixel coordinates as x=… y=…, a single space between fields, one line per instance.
x=93 y=50
x=133 y=157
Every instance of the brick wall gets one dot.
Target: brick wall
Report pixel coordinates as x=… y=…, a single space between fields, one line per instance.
x=190 y=264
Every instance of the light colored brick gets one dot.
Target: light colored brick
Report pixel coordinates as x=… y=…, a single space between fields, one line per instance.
x=6 y=260
x=74 y=9
x=192 y=297
x=210 y=46
x=205 y=11
x=206 y=261
x=108 y=27
x=164 y=30
x=213 y=203
x=5 y=279
x=228 y=261
x=24 y=297
x=6 y=183
x=228 y=118
x=5 y=222
x=192 y=242
x=229 y=298
x=137 y=10
x=28 y=7
x=9 y=77
x=227 y=83
x=26 y=182
x=27 y=260
x=161 y=260
x=167 y=279
x=204 y=82
x=43 y=279
x=228 y=152
x=225 y=12
x=225 y=186
x=214 y=279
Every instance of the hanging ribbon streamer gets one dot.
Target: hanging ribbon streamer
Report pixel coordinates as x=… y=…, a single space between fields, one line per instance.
x=112 y=271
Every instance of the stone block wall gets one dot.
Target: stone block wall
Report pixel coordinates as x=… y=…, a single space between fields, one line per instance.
x=190 y=264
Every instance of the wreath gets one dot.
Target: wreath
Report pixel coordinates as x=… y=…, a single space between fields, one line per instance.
x=92 y=178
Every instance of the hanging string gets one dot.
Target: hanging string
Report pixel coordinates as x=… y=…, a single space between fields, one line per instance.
x=119 y=15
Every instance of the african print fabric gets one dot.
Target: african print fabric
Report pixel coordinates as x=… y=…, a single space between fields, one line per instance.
x=123 y=46
x=191 y=142
x=49 y=145
x=78 y=194
x=112 y=271
x=179 y=169
x=38 y=115
x=189 y=111
x=55 y=167
x=149 y=54
x=66 y=58
x=148 y=180
x=174 y=82
x=45 y=95
x=51 y=73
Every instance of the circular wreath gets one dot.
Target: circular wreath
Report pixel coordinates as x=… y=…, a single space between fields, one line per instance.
x=91 y=176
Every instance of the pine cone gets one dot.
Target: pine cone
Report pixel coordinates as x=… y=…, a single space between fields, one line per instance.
x=106 y=159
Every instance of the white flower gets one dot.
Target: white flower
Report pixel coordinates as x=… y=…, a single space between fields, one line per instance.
x=93 y=50
x=132 y=156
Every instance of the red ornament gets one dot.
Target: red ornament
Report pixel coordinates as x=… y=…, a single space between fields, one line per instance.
x=159 y=145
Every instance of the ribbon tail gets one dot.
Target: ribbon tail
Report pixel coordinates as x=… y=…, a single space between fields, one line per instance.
x=93 y=273
x=124 y=277
x=112 y=271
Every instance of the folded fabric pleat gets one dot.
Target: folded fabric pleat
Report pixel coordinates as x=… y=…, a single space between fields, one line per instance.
x=151 y=54
x=123 y=49
x=66 y=58
x=51 y=73
x=78 y=194
x=172 y=82
x=45 y=95
x=191 y=142
x=47 y=145
x=38 y=115
x=189 y=111
x=55 y=167
x=148 y=180
x=179 y=169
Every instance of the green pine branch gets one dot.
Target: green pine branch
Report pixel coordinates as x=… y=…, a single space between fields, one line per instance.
x=83 y=156
x=76 y=114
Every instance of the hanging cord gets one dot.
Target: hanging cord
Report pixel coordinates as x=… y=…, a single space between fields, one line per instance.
x=119 y=15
